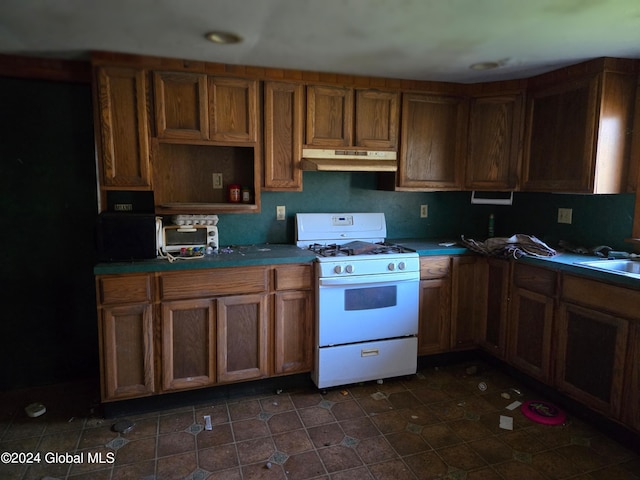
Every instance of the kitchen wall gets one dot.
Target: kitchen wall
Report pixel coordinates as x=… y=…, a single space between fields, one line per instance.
x=597 y=219
x=48 y=326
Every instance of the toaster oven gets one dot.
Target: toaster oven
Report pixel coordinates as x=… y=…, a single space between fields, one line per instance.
x=174 y=238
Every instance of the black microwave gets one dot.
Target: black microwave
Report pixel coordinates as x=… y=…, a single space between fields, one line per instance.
x=126 y=237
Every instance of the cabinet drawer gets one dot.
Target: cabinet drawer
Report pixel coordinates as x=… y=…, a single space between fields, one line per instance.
x=213 y=282
x=601 y=296
x=434 y=267
x=535 y=279
x=124 y=289
x=293 y=277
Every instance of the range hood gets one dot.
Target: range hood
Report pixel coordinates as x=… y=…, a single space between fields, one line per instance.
x=349 y=160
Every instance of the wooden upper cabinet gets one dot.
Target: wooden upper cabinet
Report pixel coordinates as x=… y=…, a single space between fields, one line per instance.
x=181 y=105
x=577 y=137
x=233 y=109
x=433 y=141
x=493 y=151
x=347 y=117
x=283 y=126
x=377 y=119
x=123 y=124
x=192 y=106
x=329 y=116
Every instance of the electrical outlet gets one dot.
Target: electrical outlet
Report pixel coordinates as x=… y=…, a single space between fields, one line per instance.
x=565 y=215
x=424 y=211
x=281 y=212
x=217 y=181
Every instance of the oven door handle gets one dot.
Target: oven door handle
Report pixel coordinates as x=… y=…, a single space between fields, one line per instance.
x=369 y=279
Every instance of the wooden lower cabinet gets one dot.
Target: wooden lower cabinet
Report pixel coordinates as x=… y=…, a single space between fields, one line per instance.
x=468 y=301
x=179 y=330
x=591 y=357
x=126 y=333
x=530 y=333
x=593 y=326
x=126 y=336
x=630 y=411
x=242 y=338
x=188 y=344
x=435 y=305
x=493 y=323
x=531 y=319
x=293 y=332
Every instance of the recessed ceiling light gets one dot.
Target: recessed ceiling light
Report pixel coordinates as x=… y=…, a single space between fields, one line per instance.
x=485 y=65
x=224 y=38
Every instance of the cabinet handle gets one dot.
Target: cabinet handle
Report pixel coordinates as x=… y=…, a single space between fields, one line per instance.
x=369 y=352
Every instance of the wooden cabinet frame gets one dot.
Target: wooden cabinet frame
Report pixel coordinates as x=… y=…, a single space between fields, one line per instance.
x=242 y=338
x=190 y=348
x=127 y=351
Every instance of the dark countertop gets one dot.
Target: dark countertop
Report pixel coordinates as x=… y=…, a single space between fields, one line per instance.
x=241 y=255
x=271 y=254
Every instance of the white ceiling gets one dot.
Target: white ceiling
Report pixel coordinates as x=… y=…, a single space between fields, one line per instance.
x=411 y=39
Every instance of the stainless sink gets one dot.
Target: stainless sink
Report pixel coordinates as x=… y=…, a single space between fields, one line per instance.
x=624 y=267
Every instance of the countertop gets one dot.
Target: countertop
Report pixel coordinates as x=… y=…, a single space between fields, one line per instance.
x=565 y=262
x=271 y=254
x=233 y=256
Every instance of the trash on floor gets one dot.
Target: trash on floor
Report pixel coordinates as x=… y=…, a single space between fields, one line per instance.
x=207 y=422
x=35 y=409
x=513 y=405
x=544 y=412
x=123 y=426
x=506 y=423
x=482 y=387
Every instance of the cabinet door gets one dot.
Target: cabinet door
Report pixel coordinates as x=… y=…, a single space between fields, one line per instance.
x=530 y=332
x=283 y=123
x=293 y=335
x=560 y=139
x=242 y=337
x=469 y=293
x=493 y=324
x=181 y=105
x=124 y=127
x=377 y=119
x=329 y=116
x=127 y=351
x=590 y=359
x=631 y=403
x=233 y=110
x=433 y=141
x=495 y=125
x=188 y=344
x=435 y=316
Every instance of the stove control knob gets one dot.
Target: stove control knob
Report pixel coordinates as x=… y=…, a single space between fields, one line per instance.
x=349 y=268
x=337 y=269
x=402 y=266
x=391 y=266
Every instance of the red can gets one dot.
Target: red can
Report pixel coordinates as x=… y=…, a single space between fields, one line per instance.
x=234 y=193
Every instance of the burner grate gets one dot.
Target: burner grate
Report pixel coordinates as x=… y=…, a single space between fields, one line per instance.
x=335 y=250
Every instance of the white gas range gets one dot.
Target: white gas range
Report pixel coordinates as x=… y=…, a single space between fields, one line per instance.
x=367 y=298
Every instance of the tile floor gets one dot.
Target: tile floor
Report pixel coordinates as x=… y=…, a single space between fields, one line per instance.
x=434 y=425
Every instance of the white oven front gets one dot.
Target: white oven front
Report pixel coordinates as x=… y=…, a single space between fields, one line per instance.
x=364 y=308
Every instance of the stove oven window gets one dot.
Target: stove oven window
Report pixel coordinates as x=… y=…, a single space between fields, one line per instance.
x=370 y=298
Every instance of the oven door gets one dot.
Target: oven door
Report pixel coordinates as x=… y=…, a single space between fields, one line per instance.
x=372 y=307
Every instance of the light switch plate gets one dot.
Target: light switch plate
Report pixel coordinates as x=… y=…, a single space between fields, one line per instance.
x=424 y=211
x=281 y=212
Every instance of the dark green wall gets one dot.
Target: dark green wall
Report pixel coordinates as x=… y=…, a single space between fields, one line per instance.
x=597 y=219
x=48 y=329
x=48 y=210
